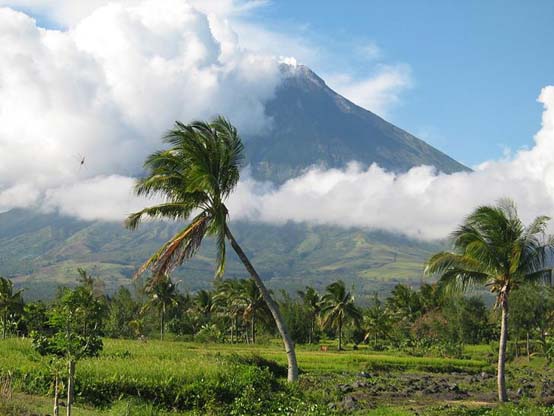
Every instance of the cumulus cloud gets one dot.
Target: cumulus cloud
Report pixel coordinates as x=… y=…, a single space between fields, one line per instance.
x=107 y=89
x=378 y=92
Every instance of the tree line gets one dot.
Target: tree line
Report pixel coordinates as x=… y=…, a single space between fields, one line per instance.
x=424 y=320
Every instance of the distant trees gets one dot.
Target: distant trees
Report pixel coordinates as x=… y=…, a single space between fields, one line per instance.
x=11 y=304
x=162 y=294
x=195 y=177
x=493 y=248
x=338 y=309
x=312 y=302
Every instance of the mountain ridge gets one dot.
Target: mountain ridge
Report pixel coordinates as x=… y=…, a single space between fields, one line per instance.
x=314 y=125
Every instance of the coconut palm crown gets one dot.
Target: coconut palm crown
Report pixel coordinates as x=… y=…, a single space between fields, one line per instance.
x=197 y=173
x=495 y=249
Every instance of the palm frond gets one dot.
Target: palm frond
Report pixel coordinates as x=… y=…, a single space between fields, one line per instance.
x=182 y=246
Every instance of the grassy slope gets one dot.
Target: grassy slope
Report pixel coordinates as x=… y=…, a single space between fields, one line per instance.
x=42 y=251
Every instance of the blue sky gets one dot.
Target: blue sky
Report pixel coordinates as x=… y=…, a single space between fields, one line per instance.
x=477 y=67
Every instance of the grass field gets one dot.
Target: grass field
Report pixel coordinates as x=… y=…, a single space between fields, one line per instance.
x=172 y=377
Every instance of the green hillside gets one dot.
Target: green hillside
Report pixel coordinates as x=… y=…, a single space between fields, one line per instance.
x=42 y=251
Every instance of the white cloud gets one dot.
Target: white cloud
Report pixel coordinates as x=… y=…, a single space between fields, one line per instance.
x=378 y=92
x=109 y=87
x=369 y=51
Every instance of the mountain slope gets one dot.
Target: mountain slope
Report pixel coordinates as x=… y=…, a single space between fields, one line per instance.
x=42 y=251
x=313 y=125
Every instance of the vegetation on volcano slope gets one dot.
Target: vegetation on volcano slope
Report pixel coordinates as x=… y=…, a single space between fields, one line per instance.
x=40 y=252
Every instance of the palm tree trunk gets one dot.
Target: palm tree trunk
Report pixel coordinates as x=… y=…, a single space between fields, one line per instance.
x=340 y=333
x=272 y=306
x=253 y=323
x=502 y=394
x=528 y=349
x=162 y=322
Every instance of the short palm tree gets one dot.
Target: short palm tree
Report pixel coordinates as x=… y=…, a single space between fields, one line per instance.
x=494 y=248
x=228 y=302
x=312 y=301
x=377 y=322
x=10 y=302
x=163 y=294
x=338 y=308
x=253 y=303
x=195 y=176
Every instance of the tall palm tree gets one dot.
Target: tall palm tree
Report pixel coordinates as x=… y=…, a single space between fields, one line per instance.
x=312 y=301
x=494 y=248
x=195 y=176
x=338 y=309
x=163 y=294
x=10 y=302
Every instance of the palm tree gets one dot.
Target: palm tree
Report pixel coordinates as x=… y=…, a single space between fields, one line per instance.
x=203 y=303
x=338 y=308
x=494 y=248
x=227 y=300
x=10 y=302
x=163 y=294
x=195 y=176
x=253 y=303
x=312 y=301
x=377 y=321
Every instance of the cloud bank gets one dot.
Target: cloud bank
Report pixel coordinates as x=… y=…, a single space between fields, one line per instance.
x=108 y=86
x=421 y=203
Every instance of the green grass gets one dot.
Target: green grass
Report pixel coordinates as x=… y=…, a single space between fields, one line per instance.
x=130 y=377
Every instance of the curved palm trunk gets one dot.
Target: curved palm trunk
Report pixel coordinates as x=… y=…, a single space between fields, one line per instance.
x=502 y=394
x=273 y=307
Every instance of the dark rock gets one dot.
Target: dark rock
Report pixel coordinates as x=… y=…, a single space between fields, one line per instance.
x=348 y=403
x=453 y=387
x=345 y=388
x=484 y=375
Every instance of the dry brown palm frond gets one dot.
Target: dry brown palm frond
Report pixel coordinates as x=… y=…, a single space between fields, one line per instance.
x=181 y=247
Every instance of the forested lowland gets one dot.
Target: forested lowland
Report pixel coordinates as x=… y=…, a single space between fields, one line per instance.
x=160 y=350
